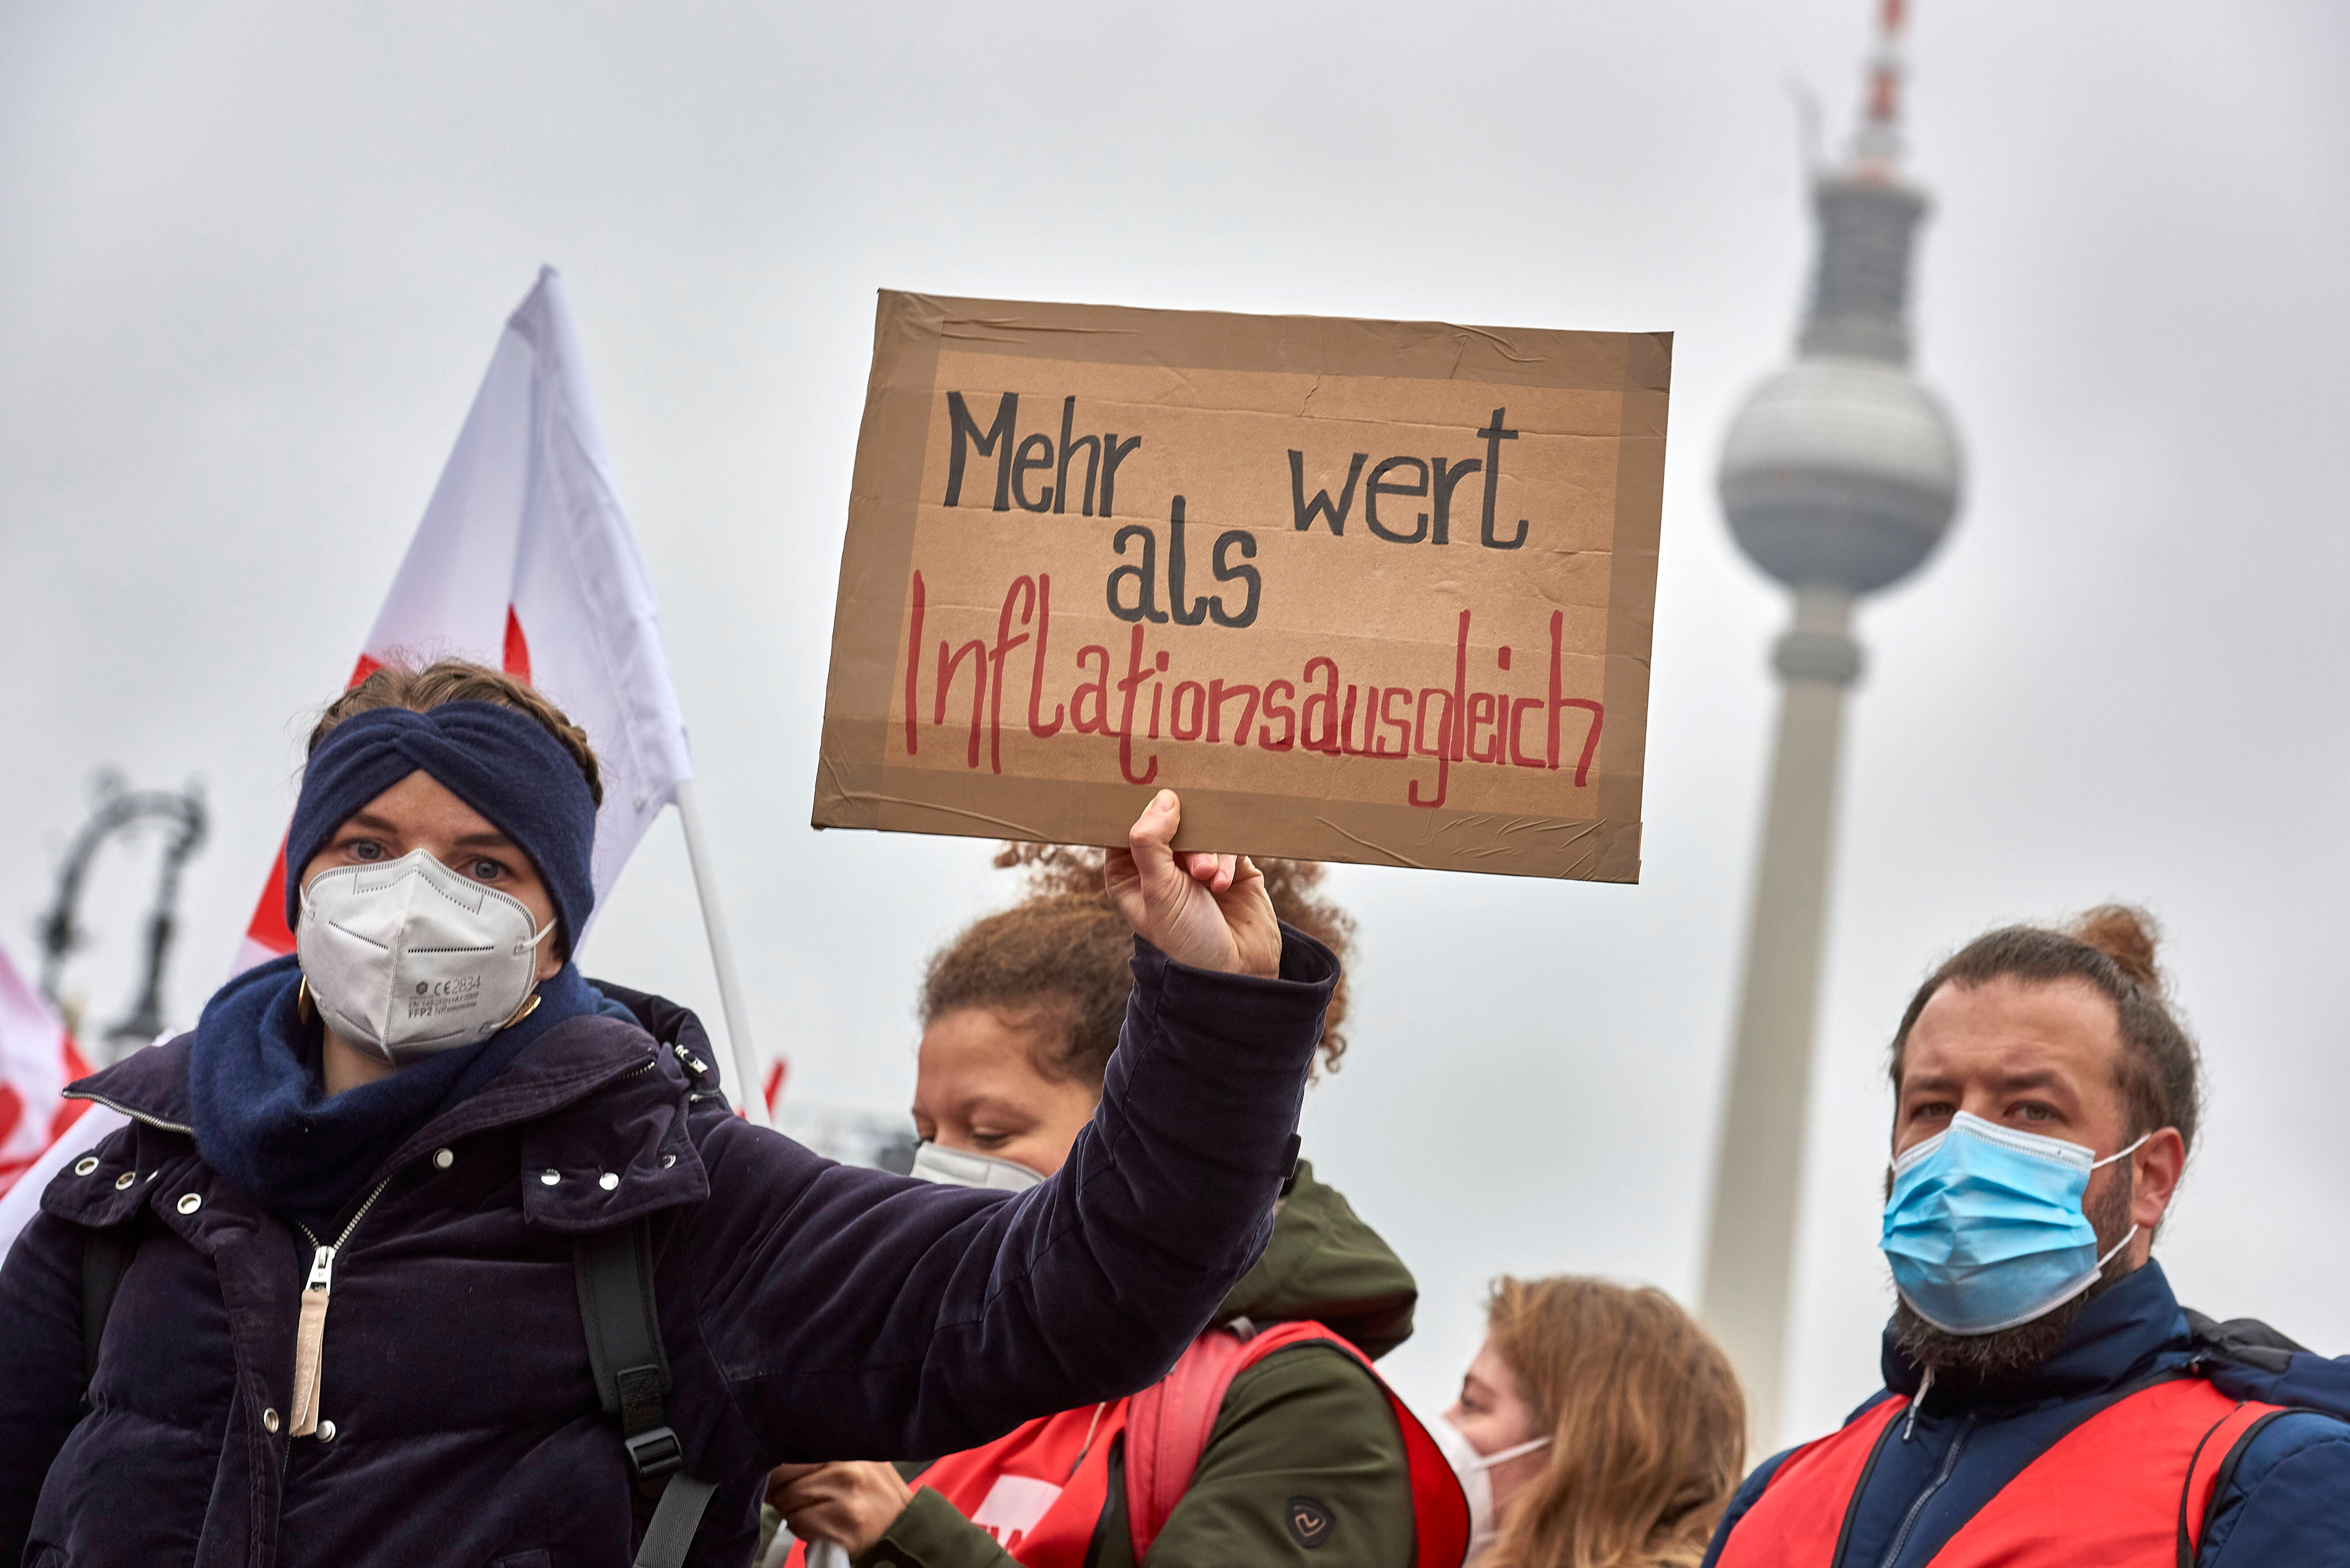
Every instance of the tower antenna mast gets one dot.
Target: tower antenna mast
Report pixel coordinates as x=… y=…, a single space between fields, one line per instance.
x=1876 y=140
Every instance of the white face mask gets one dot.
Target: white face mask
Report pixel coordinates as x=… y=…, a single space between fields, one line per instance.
x=1473 y=1471
x=407 y=958
x=961 y=1168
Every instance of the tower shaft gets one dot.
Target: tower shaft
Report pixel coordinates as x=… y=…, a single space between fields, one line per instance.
x=1758 y=1175
x=1839 y=477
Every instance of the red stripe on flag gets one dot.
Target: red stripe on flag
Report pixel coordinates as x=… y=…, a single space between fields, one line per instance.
x=517 y=660
x=270 y=928
x=68 y=1111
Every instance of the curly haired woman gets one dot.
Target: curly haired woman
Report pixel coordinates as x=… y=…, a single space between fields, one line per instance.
x=1272 y=1438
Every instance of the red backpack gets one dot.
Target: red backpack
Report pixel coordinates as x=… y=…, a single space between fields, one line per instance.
x=1040 y=1489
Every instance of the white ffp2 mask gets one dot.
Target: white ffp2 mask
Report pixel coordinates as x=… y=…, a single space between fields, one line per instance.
x=1472 y=1470
x=961 y=1168
x=407 y=958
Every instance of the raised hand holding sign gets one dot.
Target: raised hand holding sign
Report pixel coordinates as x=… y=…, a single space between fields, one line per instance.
x=1210 y=911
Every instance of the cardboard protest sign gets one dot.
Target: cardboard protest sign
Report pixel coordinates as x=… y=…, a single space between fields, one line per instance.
x=1360 y=590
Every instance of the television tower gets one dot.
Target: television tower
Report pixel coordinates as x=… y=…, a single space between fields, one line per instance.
x=1839 y=477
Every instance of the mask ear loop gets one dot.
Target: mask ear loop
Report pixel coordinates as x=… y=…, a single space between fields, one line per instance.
x=305 y=1007
x=529 y=1004
x=1487 y=1462
x=2115 y=1251
x=2122 y=1153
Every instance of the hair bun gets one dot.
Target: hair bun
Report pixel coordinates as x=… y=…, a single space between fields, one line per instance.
x=2125 y=935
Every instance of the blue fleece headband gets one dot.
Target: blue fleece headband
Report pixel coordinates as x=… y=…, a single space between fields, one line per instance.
x=503 y=763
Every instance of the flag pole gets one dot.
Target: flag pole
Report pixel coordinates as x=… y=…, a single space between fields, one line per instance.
x=721 y=957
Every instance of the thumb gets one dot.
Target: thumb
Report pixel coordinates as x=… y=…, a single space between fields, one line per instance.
x=1153 y=841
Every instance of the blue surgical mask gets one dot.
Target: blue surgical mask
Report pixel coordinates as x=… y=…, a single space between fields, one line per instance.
x=1984 y=1227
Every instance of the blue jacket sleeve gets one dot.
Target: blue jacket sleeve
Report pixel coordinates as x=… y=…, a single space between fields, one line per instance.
x=40 y=1367
x=857 y=1315
x=2289 y=1501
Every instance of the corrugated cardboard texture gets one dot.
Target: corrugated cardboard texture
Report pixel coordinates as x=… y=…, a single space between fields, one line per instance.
x=1360 y=590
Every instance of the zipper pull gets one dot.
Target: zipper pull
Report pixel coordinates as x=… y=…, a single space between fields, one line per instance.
x=309 y=1343
x=1910 y=1426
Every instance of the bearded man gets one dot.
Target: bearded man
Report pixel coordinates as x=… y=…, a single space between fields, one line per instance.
x=2047 y=1400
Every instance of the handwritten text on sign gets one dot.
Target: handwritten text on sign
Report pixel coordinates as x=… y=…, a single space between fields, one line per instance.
x=1353 y=609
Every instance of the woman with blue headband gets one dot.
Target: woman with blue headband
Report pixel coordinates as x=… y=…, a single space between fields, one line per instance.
x=423 y=1248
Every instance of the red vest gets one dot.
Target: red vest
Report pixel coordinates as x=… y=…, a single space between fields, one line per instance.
x=1040 y=1489
x=2125 y=1489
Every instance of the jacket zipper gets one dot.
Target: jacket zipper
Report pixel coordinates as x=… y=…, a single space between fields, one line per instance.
x=1910 y=1520
x=310 y=1335
x=134 y=1115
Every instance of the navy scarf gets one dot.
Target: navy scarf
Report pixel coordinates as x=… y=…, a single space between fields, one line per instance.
x=262 y=1115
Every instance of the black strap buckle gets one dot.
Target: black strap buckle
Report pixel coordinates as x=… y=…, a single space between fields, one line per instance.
x=654 y=1453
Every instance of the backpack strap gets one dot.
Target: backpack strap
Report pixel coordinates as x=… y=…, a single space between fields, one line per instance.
x=2215 y=1468
x=1168 y=1425
x=105 y=1258
x=632 y=1379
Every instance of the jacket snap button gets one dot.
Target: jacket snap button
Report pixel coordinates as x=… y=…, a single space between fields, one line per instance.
x=189 y=1203
x=607 y=1181
x=550 y=1176
x=270 y=1420
x=444 y=1159
x=326 y=1431
x=124 y=1180
x=84 y=1165
x=668 y=1160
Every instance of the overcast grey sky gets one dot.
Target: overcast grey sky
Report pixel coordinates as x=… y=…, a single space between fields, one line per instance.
x=253 y=260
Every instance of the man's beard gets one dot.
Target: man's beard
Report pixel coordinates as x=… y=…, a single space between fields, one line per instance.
x=1975 y=1358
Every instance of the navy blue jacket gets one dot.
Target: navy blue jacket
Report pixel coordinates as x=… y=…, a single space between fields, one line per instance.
x=811 y=1310
x=2289 y=1502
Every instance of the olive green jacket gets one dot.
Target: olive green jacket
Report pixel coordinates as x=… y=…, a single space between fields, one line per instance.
x=1306 y=1425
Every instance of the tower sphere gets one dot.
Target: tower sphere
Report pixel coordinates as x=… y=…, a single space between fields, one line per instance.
x=1840 y=472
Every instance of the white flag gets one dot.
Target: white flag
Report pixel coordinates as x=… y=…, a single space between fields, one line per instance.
x=525 y=562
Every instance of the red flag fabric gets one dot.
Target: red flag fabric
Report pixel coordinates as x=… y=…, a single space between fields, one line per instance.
x=37 y=1060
